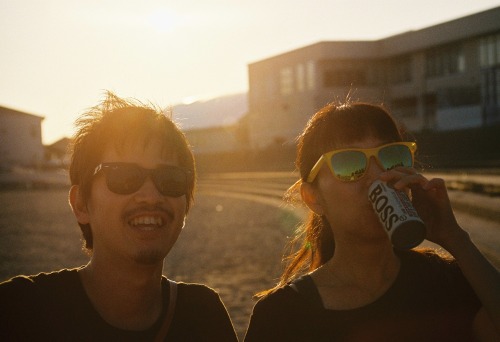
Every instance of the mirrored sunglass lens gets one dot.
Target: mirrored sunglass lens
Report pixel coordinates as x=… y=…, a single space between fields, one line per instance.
x=170 y=181
x=349 y=165
x=124 y=179
x=394 y=156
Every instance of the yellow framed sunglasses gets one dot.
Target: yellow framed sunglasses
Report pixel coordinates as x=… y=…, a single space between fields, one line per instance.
x=349 y=165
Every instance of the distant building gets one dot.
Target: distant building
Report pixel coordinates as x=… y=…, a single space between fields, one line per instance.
x=57 y=154
x=213 y=139
x=20 y=139
x=444 y=77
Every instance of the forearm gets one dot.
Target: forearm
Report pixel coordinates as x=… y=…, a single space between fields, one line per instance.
x=481 y=274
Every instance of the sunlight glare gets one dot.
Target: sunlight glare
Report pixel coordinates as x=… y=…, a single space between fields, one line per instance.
x=190 y=100
x=164 y=20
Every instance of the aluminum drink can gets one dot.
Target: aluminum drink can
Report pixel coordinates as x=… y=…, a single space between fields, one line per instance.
x=397 y=215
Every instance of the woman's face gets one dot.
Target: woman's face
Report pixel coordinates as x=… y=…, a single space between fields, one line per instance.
x=345 y=204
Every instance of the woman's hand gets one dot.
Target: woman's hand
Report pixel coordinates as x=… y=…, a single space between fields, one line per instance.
x=430 y=199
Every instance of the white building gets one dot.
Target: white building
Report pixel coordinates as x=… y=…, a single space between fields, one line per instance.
x=444 y=77
x=20 y=139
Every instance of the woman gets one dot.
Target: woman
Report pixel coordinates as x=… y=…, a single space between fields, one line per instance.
x=346 y=281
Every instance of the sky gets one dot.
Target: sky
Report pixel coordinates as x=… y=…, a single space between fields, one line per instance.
x=58 y=57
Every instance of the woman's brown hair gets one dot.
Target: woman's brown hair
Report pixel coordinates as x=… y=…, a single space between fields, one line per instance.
x=331 y=127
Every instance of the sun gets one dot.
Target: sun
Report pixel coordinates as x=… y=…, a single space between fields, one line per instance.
x=164 y=20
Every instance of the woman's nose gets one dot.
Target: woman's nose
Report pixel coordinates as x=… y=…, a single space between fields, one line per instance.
x=374 y=170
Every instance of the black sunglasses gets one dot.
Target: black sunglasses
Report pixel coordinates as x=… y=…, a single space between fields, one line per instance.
x=127 y=178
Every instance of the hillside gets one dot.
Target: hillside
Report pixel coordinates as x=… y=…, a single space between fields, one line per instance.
x=220 y=111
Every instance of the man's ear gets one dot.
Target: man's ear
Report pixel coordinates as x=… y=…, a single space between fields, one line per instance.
x=78 y=205
x=310 y=197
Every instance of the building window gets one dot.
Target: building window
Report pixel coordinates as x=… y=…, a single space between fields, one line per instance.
x=489 y=50
x=445 y=61
x=34 y=131
x=497 y=86
x=344 y=78
x=400 y=70
x=300 y=77
x=271 y=87
x=376 y=74
x=311 y=75
x=286 y=81
x=405 y=107
x=458 y=97
x=490 y=87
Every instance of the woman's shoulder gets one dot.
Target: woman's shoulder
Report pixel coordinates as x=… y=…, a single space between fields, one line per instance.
x=278 y=315
x=280 y=294
x=432 y=264
x=428 y=257
x=297 y=293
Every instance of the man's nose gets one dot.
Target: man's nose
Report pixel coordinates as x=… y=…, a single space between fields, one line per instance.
x=148 y=192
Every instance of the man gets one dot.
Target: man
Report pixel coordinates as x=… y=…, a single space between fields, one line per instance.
x=132 y=176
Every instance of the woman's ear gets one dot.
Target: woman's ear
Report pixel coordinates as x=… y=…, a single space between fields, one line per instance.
x=310 y=197
x=78 y=205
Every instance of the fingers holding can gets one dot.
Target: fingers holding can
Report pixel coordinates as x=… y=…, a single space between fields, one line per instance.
x=397 y=215
x=401 y=178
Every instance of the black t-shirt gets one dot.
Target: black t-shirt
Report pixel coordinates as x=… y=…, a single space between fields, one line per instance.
x=430 y=300
x=55 y=307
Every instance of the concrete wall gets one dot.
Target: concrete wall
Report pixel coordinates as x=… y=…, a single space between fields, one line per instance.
x=20 y=139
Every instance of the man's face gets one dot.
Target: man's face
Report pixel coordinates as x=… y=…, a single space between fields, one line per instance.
x=140 y=227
